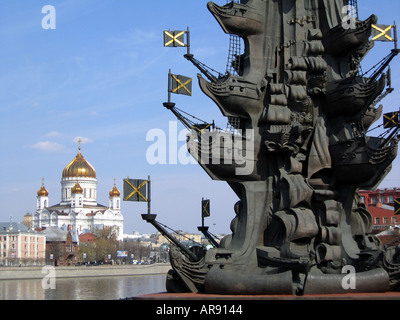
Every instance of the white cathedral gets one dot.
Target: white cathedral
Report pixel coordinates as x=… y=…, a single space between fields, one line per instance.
x=78 y=209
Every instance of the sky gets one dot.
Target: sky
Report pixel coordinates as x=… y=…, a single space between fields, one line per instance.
x=101 y=75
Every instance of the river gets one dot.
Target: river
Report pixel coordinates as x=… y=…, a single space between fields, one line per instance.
x=94 y=288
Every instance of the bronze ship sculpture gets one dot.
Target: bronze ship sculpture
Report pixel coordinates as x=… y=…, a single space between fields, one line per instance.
x=301 y=111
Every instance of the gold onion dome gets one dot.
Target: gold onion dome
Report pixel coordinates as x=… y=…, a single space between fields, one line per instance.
x=77 y=188
x=79 y=167
x=42 y=192
x=114 y=192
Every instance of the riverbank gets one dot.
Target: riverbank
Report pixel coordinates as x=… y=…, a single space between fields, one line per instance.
x=19 y=273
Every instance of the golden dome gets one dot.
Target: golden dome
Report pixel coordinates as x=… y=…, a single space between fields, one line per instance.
x=77 y=188
x=114 y=192
x=42 y=192
x=79 y=167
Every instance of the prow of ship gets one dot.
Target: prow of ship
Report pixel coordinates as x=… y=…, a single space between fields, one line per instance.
x=223 y=154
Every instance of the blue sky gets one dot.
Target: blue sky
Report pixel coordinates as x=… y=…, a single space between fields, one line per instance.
x=102 y=75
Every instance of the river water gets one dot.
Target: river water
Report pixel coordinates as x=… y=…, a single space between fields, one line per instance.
x=97 y=288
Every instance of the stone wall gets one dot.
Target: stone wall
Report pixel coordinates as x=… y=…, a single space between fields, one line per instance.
x=17 y=273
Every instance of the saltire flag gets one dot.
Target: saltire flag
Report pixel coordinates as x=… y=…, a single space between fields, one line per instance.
x=396 y=206
x=391 y=120
x=180 y=84
x=174 y=38
x=381 y=32
x=205 y=208
x=136 y=190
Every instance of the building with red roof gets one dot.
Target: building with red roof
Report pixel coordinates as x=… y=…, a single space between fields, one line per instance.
x=380 y=204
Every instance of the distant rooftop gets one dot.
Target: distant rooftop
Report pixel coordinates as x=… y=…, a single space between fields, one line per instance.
x=55 y=234
x=14 y=227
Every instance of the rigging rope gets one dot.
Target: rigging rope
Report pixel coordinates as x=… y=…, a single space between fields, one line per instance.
x=165 y=226
x=379 y=64
x=235 y=51
x=190 y=115
x=355 y=5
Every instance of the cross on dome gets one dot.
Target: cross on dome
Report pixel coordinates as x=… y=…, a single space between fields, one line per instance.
x=114 y=192
x=42 y=192
x=79 y=166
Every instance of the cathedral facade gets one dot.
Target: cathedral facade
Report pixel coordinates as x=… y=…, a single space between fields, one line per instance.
x=78 y=209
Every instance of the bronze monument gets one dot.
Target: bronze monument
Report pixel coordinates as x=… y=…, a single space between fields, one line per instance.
x=300 y=110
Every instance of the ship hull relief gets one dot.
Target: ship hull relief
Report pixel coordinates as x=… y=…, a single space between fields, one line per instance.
x=299 y=223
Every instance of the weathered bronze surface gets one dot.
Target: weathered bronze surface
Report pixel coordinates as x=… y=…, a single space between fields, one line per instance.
x=299 y=223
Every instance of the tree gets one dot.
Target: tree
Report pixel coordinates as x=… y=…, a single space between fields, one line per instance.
x=139 y=250
x=105 y=244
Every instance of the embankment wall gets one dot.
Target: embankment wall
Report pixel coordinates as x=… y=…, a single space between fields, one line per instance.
x=15 y=273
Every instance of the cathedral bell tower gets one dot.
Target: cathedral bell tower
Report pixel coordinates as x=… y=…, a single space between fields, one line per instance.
x=114 y=199
x=42 y=198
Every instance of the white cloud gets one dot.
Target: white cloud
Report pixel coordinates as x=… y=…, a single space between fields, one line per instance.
x=49 y=146
x=53 y=134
